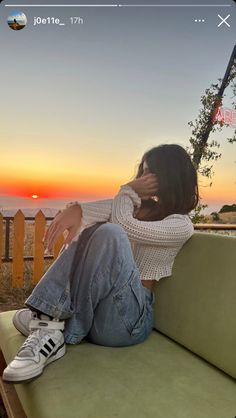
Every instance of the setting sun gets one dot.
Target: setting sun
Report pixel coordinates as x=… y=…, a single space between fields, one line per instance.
x=34 y=196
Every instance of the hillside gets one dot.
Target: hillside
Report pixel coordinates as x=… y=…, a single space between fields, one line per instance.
x=224 y=218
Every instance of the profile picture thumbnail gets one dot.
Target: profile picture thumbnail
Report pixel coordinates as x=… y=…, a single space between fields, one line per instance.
x=17 y=20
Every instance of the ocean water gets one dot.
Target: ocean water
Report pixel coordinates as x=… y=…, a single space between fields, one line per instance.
x=10 y=204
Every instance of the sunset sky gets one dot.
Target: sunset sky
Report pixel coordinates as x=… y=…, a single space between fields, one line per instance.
x=80 y=104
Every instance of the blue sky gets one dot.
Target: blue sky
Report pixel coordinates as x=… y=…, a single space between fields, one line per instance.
x=19 y=16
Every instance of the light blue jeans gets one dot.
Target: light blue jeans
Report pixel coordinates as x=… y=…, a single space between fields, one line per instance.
x=95 y=286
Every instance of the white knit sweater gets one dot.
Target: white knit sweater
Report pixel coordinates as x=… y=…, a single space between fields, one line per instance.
x=154 y=243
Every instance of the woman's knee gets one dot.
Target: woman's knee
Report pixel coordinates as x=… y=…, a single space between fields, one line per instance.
x=112 y=241
x=110 y=230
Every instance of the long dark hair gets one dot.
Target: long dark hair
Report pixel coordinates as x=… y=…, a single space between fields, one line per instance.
x=177 y=182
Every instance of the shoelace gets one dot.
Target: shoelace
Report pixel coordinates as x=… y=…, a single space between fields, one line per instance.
x=33 y=341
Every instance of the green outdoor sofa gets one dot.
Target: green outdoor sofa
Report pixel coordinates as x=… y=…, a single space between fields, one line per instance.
x=185 y=369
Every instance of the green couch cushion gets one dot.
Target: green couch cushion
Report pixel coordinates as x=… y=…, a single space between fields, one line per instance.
x=196 y=305
x=155 y=379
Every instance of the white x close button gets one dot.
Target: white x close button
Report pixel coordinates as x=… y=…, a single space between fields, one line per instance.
x=223 y=20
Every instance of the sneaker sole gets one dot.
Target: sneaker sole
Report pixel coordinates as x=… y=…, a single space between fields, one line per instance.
x=36 y=372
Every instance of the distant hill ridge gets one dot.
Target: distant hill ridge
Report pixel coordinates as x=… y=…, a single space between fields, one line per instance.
x=228 y=208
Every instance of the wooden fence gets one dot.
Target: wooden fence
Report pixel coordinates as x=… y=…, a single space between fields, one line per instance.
x=18 y=223
x=18 y=236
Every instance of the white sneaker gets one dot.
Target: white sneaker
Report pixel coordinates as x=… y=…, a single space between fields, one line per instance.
x=44 y=345
x=21 y=320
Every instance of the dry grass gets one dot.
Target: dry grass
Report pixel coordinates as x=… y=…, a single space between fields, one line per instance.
x=224 y=218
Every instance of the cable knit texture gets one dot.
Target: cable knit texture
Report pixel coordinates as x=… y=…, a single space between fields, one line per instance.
x=154 y=244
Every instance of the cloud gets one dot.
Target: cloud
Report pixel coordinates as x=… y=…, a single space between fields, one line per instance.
x=20 y=17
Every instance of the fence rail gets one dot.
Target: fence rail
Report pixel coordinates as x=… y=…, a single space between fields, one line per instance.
x=219 y=227
x=15 y=226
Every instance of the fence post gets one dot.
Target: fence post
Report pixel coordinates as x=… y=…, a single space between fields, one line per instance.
x=38 y=268
x=57 y=246
x=18 y=250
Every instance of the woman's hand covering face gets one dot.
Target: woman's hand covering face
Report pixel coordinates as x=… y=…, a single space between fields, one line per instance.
x=145 y=186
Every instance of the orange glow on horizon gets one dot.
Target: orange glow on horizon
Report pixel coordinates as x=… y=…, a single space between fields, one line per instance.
x=101 y=191
x=97 y=186
x=58 y=190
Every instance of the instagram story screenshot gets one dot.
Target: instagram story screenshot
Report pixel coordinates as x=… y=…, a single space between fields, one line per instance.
x=118 y=209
